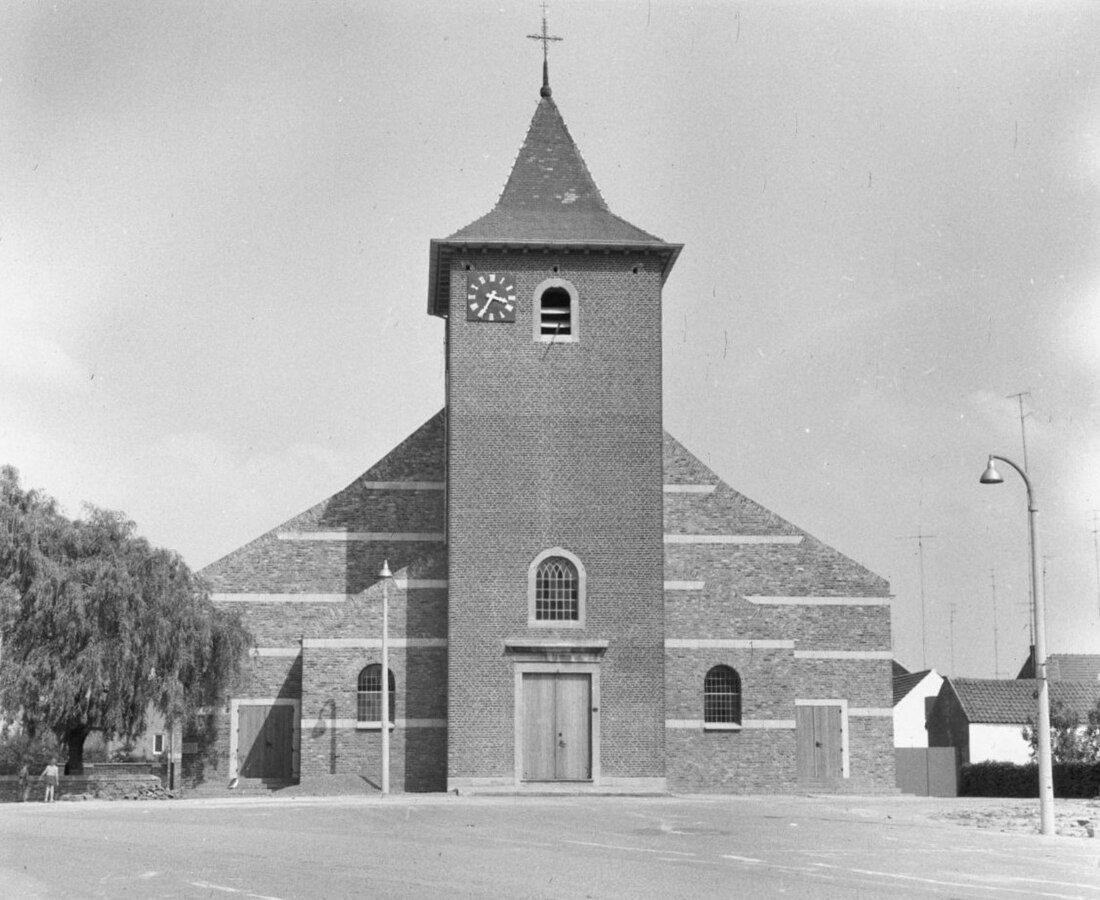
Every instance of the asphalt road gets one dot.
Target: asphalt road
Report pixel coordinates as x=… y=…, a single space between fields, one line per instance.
x=411 y=847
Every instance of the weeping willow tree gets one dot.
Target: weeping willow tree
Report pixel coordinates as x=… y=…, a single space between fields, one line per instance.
x=98 y=626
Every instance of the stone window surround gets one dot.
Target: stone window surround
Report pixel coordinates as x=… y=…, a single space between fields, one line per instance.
x=574 y=313
x=582 y=590
x=374 y=724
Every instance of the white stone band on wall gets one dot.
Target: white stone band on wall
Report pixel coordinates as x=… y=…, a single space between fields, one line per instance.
x=733 y=539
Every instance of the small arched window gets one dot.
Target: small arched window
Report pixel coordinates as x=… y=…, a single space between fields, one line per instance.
x=370 y=696
x=556 y=587
x=556 y=591
x=722 y=697
x=556 y=311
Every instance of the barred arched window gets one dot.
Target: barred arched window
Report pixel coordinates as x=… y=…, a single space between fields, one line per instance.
x=370 y=695
x=556 y=590
x=722 y=696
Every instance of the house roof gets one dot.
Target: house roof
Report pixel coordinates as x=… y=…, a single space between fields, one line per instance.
x=1000 y=701
x=1065 y=666
x=903 y=684
x=1074 y=666
x=549 y=202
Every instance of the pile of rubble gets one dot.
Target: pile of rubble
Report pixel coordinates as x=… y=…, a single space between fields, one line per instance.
x=1072 y=818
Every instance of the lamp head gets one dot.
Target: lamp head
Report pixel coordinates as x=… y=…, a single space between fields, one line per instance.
x=991 y=475
x=385 y=573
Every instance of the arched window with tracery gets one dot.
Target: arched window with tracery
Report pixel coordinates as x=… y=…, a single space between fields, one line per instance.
x=370 y=696
x=556 y=589
x=722 y=697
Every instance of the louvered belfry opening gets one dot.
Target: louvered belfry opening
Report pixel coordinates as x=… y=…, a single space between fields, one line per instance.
x=555 y=313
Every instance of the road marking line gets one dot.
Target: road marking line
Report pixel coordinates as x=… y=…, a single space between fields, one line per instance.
x=747 y=859
x=629 y=849
x=972 y=885
x=230 y=890
x=501 y=840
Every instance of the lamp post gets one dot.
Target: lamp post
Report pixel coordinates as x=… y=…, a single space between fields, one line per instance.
x=1046 y=775
x=386 y=577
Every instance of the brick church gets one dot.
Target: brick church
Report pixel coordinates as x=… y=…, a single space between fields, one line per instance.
x=577 y=602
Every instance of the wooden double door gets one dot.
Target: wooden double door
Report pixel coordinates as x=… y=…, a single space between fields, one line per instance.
x=820 y=742
x=265 y=742
x=556 y=726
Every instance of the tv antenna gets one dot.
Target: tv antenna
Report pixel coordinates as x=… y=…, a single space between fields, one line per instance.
x=920 y=537
x=1096 y=548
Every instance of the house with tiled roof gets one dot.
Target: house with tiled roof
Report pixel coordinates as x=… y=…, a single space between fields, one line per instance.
x=573 y=600
x=983 y=718
x=914 y=693
x=1065 y=666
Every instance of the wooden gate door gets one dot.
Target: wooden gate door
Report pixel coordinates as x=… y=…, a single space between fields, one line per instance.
x=557 y=727
x=820 y=736
x=265 y=741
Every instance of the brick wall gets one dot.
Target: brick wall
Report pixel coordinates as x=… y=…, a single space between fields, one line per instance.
x=736 y=604
x=303 y=584
x=557 y=445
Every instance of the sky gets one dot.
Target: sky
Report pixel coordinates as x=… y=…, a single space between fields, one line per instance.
x=214 y=231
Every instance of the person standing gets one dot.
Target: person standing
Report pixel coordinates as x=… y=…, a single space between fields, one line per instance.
x=24 y=782
x=50 y=776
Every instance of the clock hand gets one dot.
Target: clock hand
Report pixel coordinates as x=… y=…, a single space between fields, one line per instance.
x=489 y=298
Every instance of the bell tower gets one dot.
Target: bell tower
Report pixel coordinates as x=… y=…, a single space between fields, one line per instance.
x=554 y=480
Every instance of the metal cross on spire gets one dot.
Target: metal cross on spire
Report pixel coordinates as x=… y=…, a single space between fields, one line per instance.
x=546 y=38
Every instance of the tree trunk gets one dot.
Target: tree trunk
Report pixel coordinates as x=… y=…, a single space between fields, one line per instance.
x=74 y=740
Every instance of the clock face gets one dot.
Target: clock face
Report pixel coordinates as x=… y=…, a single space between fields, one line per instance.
x=491 y=297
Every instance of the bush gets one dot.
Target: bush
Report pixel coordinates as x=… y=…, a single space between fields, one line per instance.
x=16 y=748
x=1075 y=780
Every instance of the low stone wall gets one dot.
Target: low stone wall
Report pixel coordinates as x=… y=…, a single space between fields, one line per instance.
x=125 y=785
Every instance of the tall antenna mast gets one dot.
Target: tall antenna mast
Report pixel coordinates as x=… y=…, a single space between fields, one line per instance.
x=920 y=537
x=996 y=661
x=951 y=632
x=1019 y=397
x=1096 y=548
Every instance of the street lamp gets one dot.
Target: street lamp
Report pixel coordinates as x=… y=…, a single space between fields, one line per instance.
x=1046 y=775
x=386 y=577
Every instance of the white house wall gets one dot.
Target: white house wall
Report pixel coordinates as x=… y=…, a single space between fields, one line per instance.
x=1003 y=743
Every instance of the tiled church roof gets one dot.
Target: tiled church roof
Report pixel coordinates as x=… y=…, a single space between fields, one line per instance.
x=550 y=200
x=550 y=195
x=798 y=564
x=744 y=548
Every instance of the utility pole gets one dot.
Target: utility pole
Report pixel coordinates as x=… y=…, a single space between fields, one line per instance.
x=920 y=537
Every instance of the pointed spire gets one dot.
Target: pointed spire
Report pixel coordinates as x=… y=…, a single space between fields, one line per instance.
x=546 y=38
x=550 y=195
x=550 y=200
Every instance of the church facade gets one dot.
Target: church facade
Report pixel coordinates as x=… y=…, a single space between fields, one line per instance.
x=577 y=603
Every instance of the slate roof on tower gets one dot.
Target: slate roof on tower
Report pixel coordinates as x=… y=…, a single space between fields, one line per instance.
x=549 y=201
